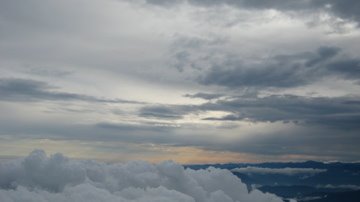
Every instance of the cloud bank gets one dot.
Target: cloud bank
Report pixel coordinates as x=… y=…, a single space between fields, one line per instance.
x=281 y=171
x=56 y=178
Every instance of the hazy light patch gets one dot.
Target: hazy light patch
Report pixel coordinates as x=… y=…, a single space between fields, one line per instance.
x=201 y=115
x=97 y=150
x=121 y=152
x=192 y=155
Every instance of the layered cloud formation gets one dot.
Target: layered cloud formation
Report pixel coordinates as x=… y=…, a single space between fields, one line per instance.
x=38 y=178
x=229 y=80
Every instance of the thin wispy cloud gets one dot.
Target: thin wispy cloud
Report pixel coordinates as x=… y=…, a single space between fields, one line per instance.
x=281 y=171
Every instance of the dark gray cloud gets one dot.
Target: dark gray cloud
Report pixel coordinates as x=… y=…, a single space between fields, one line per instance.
x=209 y=64
x=162 y=112
x=206 y=96
x=167 y=111
x=230 y=117
x=131 y=127
x=164 y=2
x=347 y=9
x=338 y=112
x=102 y=131
x=283 y=71
x=25 y=90
x=348 y=68
x=235 y=76
x=331 y=112
x=323 y=53
x=134 y=133
x=47 y=72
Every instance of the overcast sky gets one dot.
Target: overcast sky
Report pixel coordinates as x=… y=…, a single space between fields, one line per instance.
x=195 y=81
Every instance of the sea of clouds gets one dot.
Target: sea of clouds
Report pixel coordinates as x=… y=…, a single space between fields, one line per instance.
x=55 y=178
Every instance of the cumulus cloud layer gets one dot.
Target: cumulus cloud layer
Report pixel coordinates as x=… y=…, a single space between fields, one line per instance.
x=56 y=178
x=283 y=171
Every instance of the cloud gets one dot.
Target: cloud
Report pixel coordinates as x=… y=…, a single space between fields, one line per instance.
x=217 y=50
x=230 y=117
x=167 y=111
x=205 y=96
x=323 y=53
x=282 y=171
x=282 y=71
x=343 y=186
x=162 y=112
x=348 y=68
x=41 y=71
x=164 y=2
x=347 y=9
x=57 y=178
x=210 y=63
x=338 y=112
x=27 y=90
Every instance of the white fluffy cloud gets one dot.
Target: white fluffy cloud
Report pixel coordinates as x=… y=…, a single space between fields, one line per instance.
x=283 y=171
x=38 y=178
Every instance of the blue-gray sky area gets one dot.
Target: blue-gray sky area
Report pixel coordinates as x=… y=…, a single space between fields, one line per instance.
x=196 y=81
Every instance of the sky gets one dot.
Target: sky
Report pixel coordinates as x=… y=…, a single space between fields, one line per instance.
x=195 y=81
